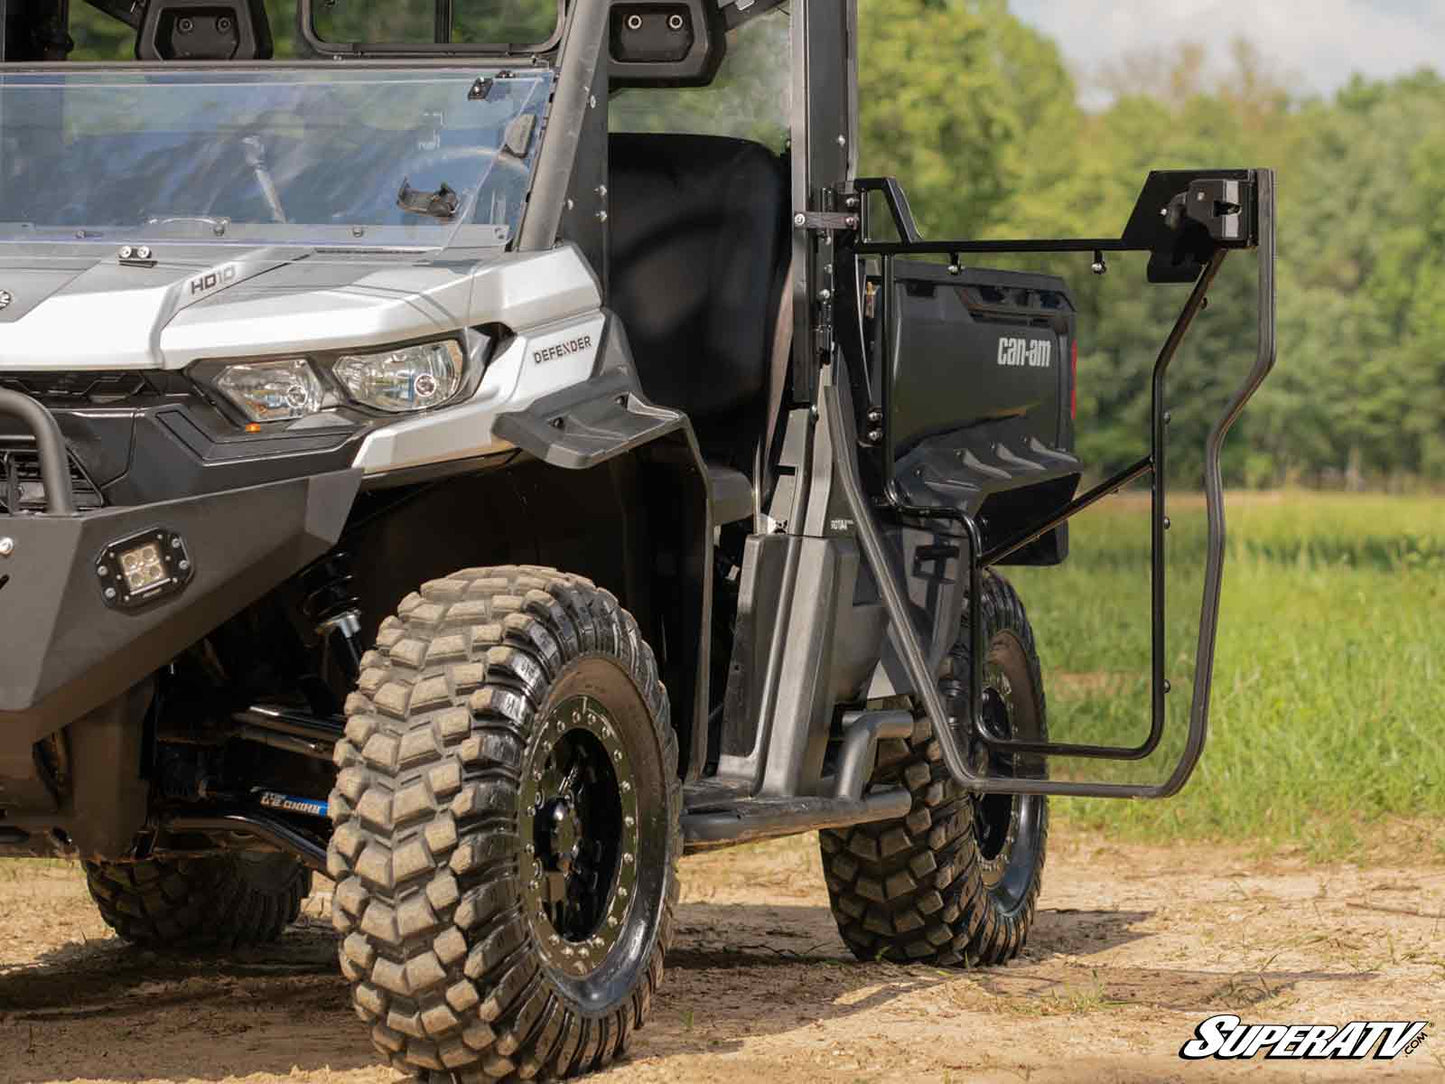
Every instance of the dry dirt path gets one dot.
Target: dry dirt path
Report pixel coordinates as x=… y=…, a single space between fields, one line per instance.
x=1132 y=947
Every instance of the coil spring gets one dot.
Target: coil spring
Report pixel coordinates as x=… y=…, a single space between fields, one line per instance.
x=327 y=589
x=330 y=604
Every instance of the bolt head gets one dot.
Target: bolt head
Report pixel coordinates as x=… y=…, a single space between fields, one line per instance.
x=126 y=252
x=143 y=253
x=875 y=436
x=800 y=220
x=7 y=547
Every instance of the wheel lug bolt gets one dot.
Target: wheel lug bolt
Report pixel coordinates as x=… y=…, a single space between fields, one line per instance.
x=629 y=821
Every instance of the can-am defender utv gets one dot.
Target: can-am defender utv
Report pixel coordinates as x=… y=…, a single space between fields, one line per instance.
x=437 y=465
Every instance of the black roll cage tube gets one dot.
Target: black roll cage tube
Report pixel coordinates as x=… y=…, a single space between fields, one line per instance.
x=851 y=252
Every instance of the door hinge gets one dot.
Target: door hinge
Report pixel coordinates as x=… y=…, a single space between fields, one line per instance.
x=826 y=221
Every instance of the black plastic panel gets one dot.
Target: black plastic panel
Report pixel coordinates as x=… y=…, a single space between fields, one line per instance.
x=664 y=43
x=975 y=347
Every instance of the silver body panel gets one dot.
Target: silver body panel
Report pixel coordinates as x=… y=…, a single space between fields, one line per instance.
x=76 y=308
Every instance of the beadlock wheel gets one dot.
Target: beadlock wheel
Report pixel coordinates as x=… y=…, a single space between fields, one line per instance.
x=578 y=829
x=507 y=829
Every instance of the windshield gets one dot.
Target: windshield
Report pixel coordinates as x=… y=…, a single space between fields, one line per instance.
x=287 y=155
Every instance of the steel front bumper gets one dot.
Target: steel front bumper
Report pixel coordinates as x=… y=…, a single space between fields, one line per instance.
x=64 y=650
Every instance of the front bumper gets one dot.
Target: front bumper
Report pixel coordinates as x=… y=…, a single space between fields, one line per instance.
x=64 y=652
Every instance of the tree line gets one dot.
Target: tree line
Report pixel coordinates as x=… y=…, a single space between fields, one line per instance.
x=978 y=116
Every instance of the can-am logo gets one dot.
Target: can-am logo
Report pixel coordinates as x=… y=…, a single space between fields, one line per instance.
x=1225 y=1036
x=1035 y=353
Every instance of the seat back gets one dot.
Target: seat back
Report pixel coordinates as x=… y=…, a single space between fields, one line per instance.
x=699 y=240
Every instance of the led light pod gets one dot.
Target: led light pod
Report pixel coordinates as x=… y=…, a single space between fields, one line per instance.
x=272 y=391
x=403 y=379
x=143 y=568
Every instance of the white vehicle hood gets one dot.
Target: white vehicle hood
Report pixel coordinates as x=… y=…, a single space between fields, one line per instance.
x=78 y=307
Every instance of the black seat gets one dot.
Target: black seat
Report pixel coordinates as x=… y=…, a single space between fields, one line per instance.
x=699 y=246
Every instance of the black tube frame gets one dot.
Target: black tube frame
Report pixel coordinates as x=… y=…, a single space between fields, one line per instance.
x=49 y=445
x=874 y=548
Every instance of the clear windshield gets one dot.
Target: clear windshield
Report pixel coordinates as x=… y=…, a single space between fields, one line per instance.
x=288 y=155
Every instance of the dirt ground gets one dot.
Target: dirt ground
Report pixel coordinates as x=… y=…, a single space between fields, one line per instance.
x=1132 y=947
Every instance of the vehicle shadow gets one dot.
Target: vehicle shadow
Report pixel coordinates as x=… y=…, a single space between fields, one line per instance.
x=102 y=1010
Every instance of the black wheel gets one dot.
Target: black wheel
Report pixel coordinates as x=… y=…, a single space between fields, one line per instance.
x=507 y=828
x=956 y=880
x=207 y=903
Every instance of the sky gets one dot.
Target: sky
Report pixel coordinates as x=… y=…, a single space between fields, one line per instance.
x=1315 y=44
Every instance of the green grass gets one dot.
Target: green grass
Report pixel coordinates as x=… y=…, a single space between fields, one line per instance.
x=1325 y=731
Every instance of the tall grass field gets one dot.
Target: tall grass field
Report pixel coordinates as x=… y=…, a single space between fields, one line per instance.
x=1327 y=730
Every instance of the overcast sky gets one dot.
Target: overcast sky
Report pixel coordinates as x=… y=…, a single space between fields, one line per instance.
x=1316 y=43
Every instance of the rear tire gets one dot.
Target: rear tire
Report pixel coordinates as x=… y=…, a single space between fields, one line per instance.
x=955 y=881
x=207 y=903
x=507 y=828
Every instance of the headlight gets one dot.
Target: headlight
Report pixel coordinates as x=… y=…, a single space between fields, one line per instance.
x=272 y=391
x=402 y=379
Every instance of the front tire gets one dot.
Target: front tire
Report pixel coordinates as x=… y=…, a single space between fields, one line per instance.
x=507 y=828
x=956 y=880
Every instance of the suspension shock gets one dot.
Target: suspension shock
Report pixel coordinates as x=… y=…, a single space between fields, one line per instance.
x=332 y=606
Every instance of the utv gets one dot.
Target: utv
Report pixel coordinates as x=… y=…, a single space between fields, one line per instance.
x=482 y=473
